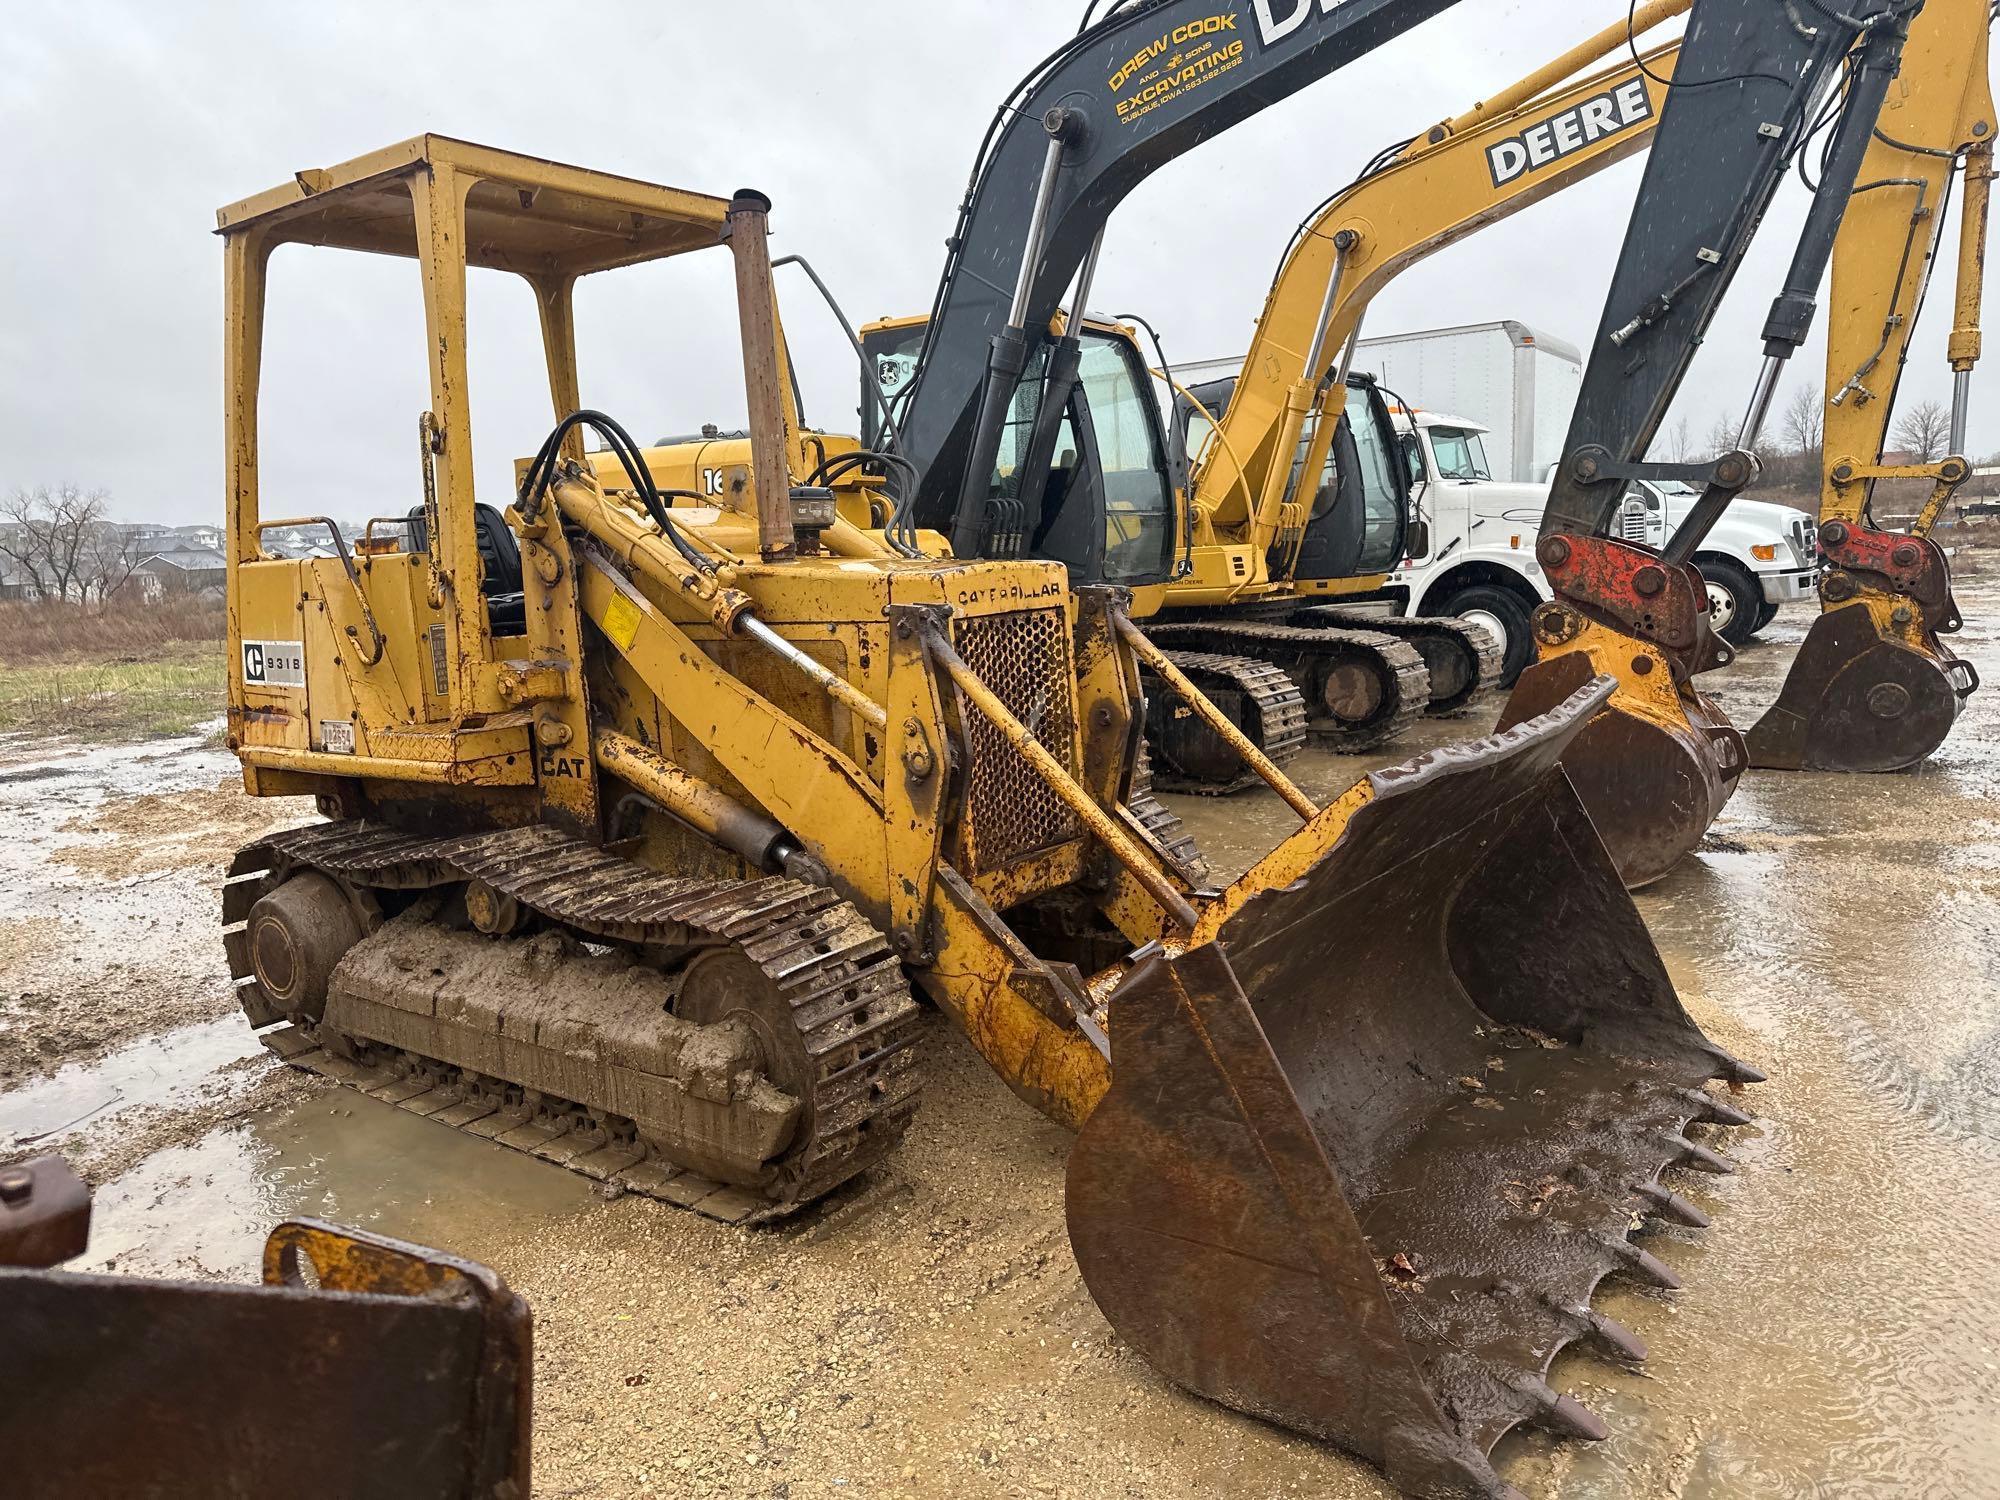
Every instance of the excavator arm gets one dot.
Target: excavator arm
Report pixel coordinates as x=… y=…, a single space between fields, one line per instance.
x=1097 y=116
x=1756 y=83
x=1546 y=133
x=1874 y=688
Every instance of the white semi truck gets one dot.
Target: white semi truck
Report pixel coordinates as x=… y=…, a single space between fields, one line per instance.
x=1519 y=382
x=1480 y=483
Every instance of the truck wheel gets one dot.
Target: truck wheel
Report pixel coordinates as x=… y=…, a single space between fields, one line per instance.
x=1766 y=613
x=1506 y=617
x=1734 y=600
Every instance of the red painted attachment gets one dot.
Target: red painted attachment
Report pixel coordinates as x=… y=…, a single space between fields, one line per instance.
x=1633 y=588
x=1912 y=566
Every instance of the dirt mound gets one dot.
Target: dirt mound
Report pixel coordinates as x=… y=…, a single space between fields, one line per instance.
x=173 y=830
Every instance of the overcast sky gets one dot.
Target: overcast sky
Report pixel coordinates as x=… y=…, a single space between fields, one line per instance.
x=127 y=124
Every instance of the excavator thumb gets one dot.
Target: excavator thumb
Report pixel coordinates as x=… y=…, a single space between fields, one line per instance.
x=1873 y=688
x=1373 y=1140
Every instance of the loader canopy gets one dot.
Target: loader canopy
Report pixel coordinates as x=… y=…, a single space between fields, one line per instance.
x=1366 y=1155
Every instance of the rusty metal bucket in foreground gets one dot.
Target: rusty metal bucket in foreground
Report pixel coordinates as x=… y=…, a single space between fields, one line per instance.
x=1653 y=774
x=1859 y=697
x=1364 y=1160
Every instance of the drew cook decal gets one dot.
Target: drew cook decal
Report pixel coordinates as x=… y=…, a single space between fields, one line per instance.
x=1176 y=61
x=1609 y=113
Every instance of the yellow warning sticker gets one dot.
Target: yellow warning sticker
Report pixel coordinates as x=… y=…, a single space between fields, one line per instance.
x=621 y=621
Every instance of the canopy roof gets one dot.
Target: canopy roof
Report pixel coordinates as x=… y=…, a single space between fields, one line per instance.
x=522 y=213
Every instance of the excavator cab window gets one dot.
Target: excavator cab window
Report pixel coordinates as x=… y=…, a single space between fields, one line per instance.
x=1107 y=509
x=1360 y=512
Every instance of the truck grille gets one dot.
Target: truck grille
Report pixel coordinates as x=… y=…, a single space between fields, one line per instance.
x=1010 y=811
x=1803 y=541
x=1632 y=523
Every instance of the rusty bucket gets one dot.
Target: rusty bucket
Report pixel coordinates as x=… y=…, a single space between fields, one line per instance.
x=1654 y=773
x=1860 y=697
x=1370 y=1147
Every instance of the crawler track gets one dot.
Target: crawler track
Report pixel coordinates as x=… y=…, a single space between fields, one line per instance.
x=1262 y=698
x=1464 y=661
x=1362 y=688
x=854 y=1017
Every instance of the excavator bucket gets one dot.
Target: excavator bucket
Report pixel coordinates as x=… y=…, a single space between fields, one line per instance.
x=1656 y=768
x=1369 y=1149
x=1865 y=693
x=1862 y=695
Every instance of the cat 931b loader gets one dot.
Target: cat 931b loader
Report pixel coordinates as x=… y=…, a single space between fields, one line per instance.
x=643 y=818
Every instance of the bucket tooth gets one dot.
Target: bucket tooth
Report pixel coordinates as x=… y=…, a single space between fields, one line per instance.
x=1693 y=1154
x=1664 y=1203
x=1565 y=1416
x=1642 y=1263
x=1608 y=1333
x=1734 y=1070
x=1713 y=1111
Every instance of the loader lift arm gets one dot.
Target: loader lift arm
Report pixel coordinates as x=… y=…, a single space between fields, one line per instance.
x=1755 y=83
x=1874 y=688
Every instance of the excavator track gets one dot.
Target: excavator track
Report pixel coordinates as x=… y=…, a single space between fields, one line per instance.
x=1464 y=661
x=1362 y=688
x=1260 y=697
x=1164 y=827
x=854 y=1017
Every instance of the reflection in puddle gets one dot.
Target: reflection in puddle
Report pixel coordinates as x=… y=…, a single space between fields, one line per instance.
x=204 y=1209
x=152 y=1070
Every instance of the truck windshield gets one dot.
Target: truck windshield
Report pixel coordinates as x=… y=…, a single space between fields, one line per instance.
x=1459 y=453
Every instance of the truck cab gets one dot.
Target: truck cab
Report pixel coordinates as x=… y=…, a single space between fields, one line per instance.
x=1759 y=555
x=1474 y=556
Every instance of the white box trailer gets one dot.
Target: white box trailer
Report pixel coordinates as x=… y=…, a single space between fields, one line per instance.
x=1518 y=383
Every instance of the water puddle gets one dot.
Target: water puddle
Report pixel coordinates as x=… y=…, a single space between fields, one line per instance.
x=203 y=1208
x=154 y=1070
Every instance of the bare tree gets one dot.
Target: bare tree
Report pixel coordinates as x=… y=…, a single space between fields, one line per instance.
x=1722 y=436
x=47 y=534
x=1676 y=444
x=1805 y=432
x=112 y=554
x=1922 y=431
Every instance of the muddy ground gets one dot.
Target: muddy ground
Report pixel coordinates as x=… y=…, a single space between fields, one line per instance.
x=927 y=1334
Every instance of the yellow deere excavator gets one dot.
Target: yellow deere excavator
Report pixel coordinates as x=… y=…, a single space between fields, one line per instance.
x=641 y=821
x=1874 y=688
x=1259 y=544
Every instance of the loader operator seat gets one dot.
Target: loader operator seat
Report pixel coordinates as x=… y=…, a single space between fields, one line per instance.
x=499 y=567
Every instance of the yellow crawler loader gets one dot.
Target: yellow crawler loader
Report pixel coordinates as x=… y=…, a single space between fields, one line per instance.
x=650 y=822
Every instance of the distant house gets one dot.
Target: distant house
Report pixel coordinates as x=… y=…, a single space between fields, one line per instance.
x=16 y=582
x=182 y=570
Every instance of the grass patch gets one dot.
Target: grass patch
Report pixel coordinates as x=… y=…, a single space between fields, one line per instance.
x=129 y=673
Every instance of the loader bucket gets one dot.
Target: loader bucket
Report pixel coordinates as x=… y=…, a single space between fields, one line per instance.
x=1366 y=1155
x=1654 y=772
x=1861 y=697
